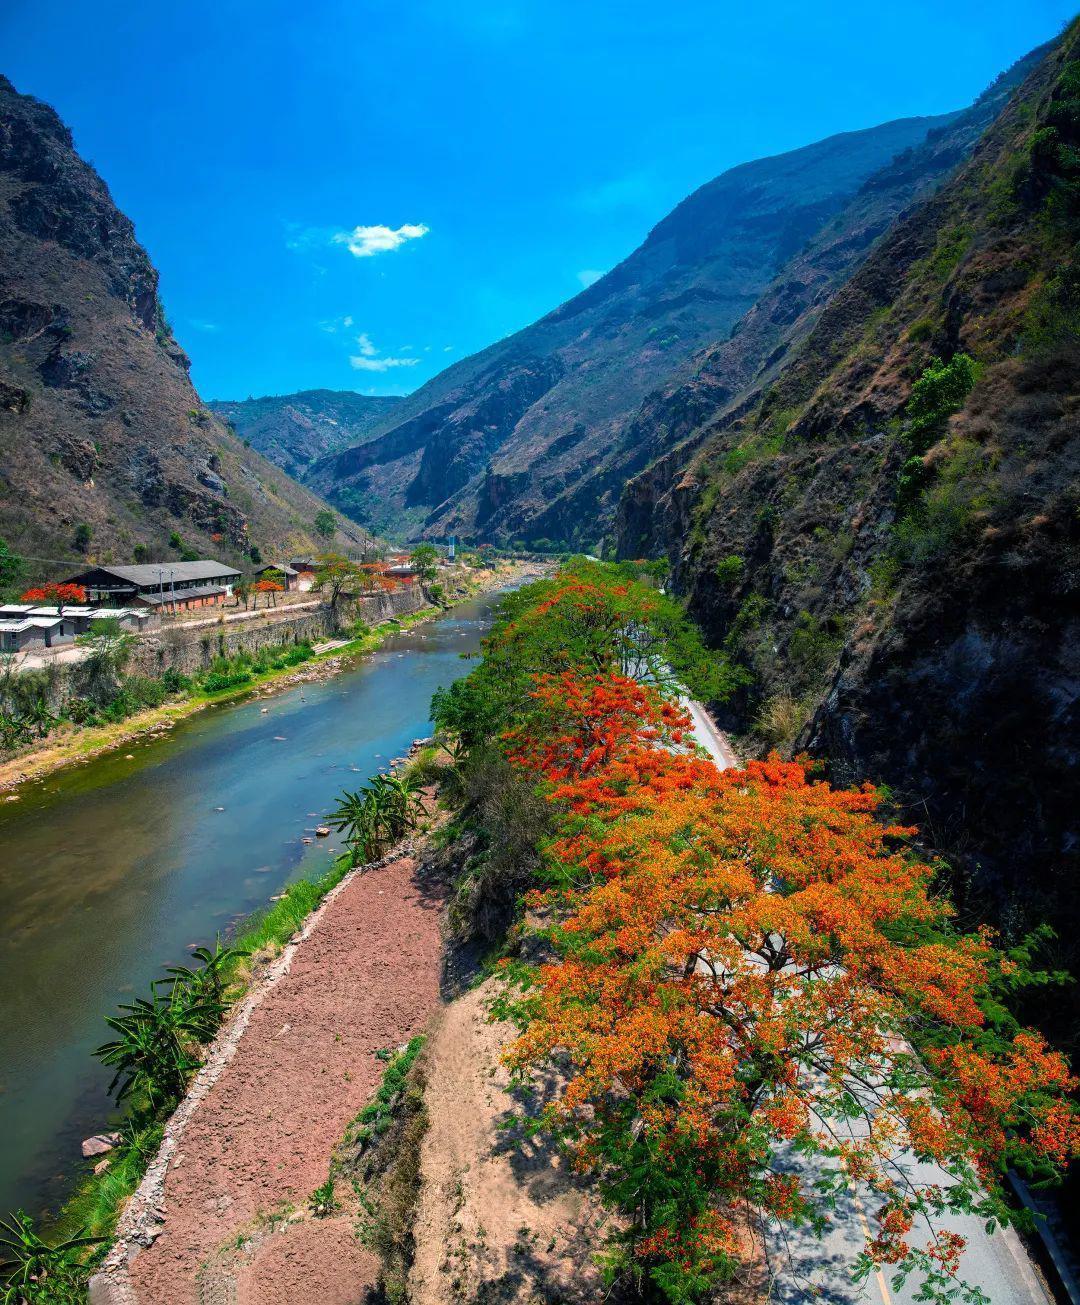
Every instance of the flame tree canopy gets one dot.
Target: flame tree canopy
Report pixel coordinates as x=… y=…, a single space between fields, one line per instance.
x=55 y=595
x=756 y=999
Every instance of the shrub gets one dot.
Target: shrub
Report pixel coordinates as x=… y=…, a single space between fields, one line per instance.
x=219 y=681
x=939 y=392
x=729 y=570
x=175 y=681
x=780 y=720
x=814 y=643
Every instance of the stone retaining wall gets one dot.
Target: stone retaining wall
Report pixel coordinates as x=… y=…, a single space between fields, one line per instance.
x=190 y=650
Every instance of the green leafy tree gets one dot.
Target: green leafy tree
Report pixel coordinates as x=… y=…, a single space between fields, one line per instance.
x=424 y=560
x=325 y=523
x=108 y=650
x=12 y=568
x=939 y=392
x=336 y=577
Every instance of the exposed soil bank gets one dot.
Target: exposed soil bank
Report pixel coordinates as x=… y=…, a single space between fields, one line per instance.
x=256 y=1134
x=499 y=1218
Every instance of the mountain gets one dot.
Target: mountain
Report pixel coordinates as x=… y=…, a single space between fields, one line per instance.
x=885 y=532
x=496 y=445
x=295 y=430
x=105 y=447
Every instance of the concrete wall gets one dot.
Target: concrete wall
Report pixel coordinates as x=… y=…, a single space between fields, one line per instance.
x=191 y=650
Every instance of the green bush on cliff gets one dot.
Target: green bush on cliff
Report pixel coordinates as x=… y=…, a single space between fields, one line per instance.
x=939 y=392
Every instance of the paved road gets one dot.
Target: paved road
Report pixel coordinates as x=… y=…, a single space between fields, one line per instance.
x=710 y=738
x=809 y=1269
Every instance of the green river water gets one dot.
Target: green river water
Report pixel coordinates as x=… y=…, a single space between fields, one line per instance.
x=111 y=870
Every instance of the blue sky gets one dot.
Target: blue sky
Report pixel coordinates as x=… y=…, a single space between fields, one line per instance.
x=353 y=194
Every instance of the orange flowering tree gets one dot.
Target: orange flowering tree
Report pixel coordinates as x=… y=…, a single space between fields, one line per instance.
x=55 y=594
x=758 y=1002
x=269 y=587
x=590 y=619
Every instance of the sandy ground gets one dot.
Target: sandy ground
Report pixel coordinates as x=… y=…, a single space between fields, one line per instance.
x=498 y=1220
x=261 y=1139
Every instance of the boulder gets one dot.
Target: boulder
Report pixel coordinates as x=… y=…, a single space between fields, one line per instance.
x=99 y=1144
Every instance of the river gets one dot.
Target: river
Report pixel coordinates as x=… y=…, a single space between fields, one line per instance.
x=111 y=870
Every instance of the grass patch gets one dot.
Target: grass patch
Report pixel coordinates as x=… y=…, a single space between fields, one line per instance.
x=386 y=1167
x=376 y=1116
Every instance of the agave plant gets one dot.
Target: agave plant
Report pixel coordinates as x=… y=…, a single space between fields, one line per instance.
x=13 y=730
x=376 y=815
x=39 y=716
x=33 y=1271
x=354 y=817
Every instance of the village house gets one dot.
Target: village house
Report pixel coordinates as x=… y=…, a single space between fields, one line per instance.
x=161 y=586
x=401 y=572
x=290 y=575
x=25 y=627
x=304 y=567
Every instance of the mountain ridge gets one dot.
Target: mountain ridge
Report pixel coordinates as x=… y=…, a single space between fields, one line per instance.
x=496 y=437
x=294 y=430
x=884 y=534
x=105 y=446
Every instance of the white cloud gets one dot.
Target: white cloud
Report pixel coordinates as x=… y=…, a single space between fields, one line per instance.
x=448 y=348
x=366 y=242
x=335 y=324
x=381 y=364
x=589 y=276
x=204 y=326
x=371 y=359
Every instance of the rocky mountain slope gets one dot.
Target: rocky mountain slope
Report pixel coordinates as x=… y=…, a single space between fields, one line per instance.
x=497 y=445
x=885 y=534
x=295 y=430
x=106 y=450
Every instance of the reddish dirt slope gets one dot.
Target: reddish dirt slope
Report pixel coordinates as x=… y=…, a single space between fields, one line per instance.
x=366 y=978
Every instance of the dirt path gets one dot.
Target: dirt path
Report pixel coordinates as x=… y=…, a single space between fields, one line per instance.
x=499 y=1218
x=260 y=1139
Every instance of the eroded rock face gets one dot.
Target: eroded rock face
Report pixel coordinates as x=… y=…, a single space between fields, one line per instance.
x=96 y=406
x=926 y=637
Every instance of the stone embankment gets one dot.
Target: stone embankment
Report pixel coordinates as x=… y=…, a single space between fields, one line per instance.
x=189 y=649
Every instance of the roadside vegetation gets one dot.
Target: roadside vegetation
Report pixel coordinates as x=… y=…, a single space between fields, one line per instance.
x=738 y=967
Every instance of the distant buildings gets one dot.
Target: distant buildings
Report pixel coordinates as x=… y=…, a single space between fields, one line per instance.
x=168 y=586
x=305 y=572
x=290 y=576
x=25 y=627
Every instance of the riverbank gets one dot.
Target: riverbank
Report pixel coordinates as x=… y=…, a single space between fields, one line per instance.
x=73 y=745
x=245 y=1151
